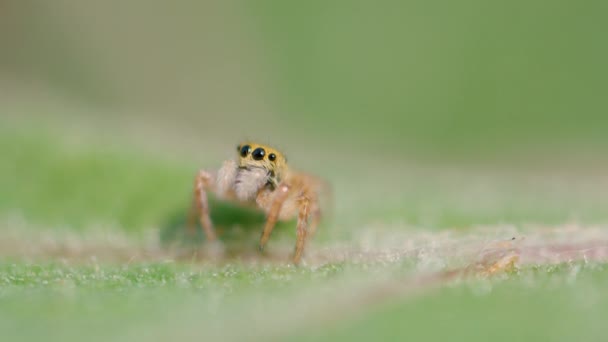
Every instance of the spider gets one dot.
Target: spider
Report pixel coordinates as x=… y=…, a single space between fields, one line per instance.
x=260 y=177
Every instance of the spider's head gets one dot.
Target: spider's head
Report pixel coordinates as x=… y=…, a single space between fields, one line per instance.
x=254 y=156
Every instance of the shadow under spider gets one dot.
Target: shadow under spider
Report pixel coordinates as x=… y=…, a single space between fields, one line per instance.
x=238 y=229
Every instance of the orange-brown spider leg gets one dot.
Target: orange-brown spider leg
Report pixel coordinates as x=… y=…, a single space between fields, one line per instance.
x=192 y=217
x=273 y=214
x=302 y=229
x=203 y=183
x=315 y=217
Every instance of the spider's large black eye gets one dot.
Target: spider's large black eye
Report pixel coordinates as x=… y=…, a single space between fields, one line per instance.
x=272 y=157
x=258 y=153
x=245 y=150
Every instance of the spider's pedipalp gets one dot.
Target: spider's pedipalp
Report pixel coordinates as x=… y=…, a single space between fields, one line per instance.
x=248 y=183
x=226 y=177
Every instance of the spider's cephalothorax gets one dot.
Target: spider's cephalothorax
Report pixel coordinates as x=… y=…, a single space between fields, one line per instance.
x=260 y=176
x=254 y=157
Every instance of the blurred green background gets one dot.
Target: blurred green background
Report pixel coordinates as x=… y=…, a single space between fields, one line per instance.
x=423 y=115
x=402 y=78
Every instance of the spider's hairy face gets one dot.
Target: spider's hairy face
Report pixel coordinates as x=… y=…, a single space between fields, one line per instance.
x=258 y=166
x=252 y=155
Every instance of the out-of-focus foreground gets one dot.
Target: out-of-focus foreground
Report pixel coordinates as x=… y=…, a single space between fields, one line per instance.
x=446 y=129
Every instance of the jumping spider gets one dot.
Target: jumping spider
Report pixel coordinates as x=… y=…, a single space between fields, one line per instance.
x=260 y=177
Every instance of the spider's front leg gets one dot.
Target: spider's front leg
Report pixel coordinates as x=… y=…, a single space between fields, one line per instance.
x=273 y=213
x=303 y=204
x=204 y=182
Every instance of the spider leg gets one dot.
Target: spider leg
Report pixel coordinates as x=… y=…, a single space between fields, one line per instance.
x=323 y=197
x=301 y=228
x=315 y=217
x=202 y=184
x=192 y=217
x=273 y=213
